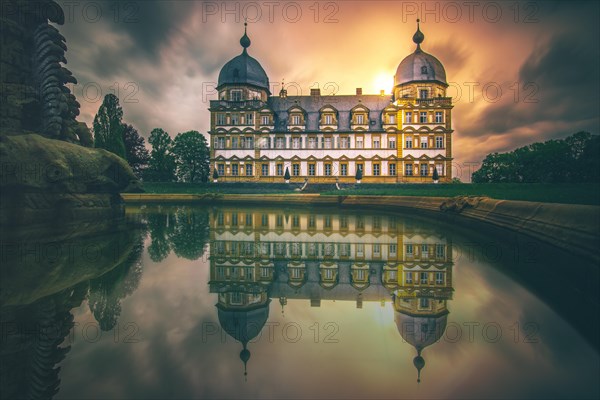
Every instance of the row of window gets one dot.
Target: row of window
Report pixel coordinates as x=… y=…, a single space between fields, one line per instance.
x=410 y=169
x=422 y=117
x=344 y=142
x=327 y=221
x=328 y=119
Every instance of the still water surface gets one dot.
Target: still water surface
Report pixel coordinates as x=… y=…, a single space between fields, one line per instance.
x=190 y=302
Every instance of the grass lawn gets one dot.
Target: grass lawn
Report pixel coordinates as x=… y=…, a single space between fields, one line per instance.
x=552 y=193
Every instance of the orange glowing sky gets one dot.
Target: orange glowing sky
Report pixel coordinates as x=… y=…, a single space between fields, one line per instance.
x=164 y=57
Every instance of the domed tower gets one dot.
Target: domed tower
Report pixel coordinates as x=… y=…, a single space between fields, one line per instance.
x=238 y=114
x=424 y=118
x=243 y=78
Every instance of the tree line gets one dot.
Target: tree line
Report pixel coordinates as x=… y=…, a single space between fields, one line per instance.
x=573 y=159
x=184 y=158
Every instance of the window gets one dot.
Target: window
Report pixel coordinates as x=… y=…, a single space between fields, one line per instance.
x=392 y=143
x=439 y=142
x=311 y=221
x=408 y=170
x=327 y=143
x=344 y=169
x=423 y=69
x=279 y=221
x=423 y=117
x=279 y=169
x=265 y=170
x=376 y=143
x=235 y=95
x=440 y=169
x=408 y=117
x=409 y=142
x=279 y=143
x=295 y=143
x=235 y=119
x=221 y=120
x=221 y=169
x=265 y=142
x=440 y=251
x=220 y=143
x=409 y=277
x=249 y=143
x=328 y=169
x=439 y=278
x=423 y=93
x=376 y=222
x=295 y=120
x=234 y=142
x=327 y=221
x=296 y=222
x=296 y=273
x=343 y=222
x=392 y=119
x=409 y=250
x=392 y=249
x=311 y=169
x=392 y=168
x=234 y=170
x=265 y=120
x=360 y=249
x=248 y=169
x=328 y=119
x=439 y=117
x=345 y=142
x=424 y=250
x=312 y=142
x=264 y=272
x=376 y=169
x=423 y=142
x=423 y=277
x=249 y=223
x=249 y=119
x=360 y=119
x=359 y=143
x=264 y=220
x=296 y=169
x=424 y=304
x=424 y=169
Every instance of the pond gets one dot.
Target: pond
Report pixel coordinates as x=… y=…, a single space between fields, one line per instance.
x=251 y=302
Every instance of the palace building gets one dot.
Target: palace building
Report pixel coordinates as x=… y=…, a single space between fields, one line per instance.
x=256 y=136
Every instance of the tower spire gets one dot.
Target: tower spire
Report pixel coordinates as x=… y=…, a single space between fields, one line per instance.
x=245 y=40
x=418 y=37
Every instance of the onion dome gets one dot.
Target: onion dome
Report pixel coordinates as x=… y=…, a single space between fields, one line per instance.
x=244 y=69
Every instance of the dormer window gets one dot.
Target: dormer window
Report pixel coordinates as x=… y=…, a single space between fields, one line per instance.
x=235 y=95
x=328 y=119
x=423 y=93
x=360 y=119
x=295 y=120
x=423 y=69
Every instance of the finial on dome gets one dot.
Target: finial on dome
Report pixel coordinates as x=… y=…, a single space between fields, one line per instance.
x=418 y=37
x=245 y=356
x=245 y=40
x=419 y=363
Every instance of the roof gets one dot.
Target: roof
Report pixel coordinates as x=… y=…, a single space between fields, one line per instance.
x=243 y=69
x=343 y=104
x=418 y=67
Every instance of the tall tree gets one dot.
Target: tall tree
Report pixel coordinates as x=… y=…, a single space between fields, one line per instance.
x=573 y=159
x=136 y=153
x=161 y=167
x=108 y=126
x=190 y=150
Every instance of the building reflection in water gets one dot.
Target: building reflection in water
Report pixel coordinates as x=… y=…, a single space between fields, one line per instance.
x=259 y=255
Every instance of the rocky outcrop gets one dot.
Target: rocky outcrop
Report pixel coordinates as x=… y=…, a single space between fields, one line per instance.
x=48 y=170
x=44 y=180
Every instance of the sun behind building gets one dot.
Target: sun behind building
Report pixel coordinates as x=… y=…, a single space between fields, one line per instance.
x=403 y=137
